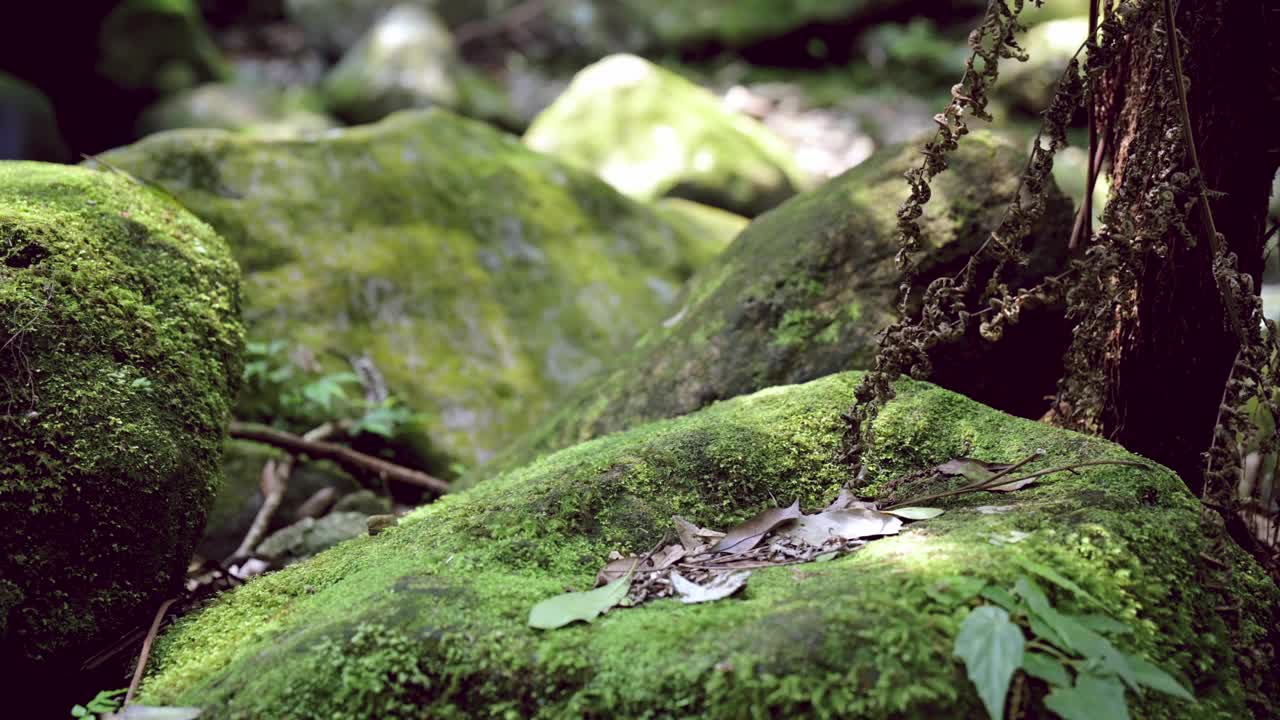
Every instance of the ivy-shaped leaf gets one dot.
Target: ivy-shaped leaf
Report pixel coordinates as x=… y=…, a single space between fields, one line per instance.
x=992 y=649
x=1048 y=669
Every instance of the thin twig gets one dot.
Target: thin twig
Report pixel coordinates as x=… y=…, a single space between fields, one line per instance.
x=146 y=650
x=350 y=460
x=1206 y=215
x=996 y=481
x=1084 y=221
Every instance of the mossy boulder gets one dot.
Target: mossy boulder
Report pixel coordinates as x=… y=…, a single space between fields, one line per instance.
x=428 y=618
x=158 y=47
x=120 y=344
x=242 y=107
x=482 y=279
x=649 y=132
x=28 y=125
x=803 y=291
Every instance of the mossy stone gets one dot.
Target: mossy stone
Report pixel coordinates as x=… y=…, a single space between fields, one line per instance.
x=120 y=349
x=649 y=132
x=428 y=618
x=483 y=279
x=803 y=291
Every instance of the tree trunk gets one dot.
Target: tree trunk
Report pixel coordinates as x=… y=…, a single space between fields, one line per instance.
x=1171 y=347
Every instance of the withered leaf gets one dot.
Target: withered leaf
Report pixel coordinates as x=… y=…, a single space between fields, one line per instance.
x=616 y=568
x=972 y=469
x=719 y=587
x=1011 y=485
x=666 y=557
x=842 y=524
x=916 y=513
x=691 y=536
x=846 y=500
x=748 y=534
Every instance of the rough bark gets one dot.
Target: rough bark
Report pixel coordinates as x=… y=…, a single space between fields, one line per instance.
x=1171 y=349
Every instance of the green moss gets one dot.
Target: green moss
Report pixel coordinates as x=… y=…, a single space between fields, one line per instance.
x=120 y=349
x=482 y=278
x=649 y=133
x=428 y=619
x=801 y=292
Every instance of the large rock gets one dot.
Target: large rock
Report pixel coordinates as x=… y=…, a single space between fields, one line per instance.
x=158 y=47
x=650 y=132
x=28 y=126
x=804 y=290
x=482 y=279
x=240 y=107
x=406 y=60
x=428 y=618
x=120 y=344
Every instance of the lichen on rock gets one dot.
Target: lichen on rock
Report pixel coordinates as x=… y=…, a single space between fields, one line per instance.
x=649 y=133
x=481 y=278
x=803 y=291
x=120 y=342
x=428 y=619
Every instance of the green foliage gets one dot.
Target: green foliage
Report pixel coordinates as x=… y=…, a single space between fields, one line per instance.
x=571 y=607
x=106 y=701
x=991 y=642
x=279 y=391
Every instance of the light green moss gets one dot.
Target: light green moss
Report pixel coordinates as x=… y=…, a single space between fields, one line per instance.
x=482 y=278
x=120 y=345
x=649 y=132
x=428 y=619
x=801 y=292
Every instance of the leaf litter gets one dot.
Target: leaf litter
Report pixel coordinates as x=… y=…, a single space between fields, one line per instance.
x=707 y=565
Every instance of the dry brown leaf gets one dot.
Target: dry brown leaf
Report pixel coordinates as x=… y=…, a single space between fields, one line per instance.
x=817 y=530
x=846 y=500
x=717 y=588
x=616 y=568
x=972 y=469
x=748 y=534
x=665 y=558
x=1011 y=485
x=693 y=537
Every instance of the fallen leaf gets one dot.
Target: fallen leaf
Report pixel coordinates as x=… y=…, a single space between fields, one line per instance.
x=748 y=534
x=666 y=557
x=691 y=536
x=1012 y=485
x=916 y=513
x=842 y=524
x=1009 y=538
x=616 y=568
x=846 y=500
x=720 y=587
x=992 y=509
x=563 y=609
x=972 y=469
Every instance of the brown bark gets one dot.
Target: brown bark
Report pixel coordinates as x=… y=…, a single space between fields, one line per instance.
x=1172 y=346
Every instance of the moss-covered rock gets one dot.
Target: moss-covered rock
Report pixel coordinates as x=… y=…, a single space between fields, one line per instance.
x=240 y=107
x=428 y=618
x=406 y=60
x=158 y=47
x=120 y=344
x=28 y=126
x=803 y=291
x=482 y=279
x=649 y=132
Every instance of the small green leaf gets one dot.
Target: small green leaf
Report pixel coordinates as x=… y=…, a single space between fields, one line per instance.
x=1056 y=578
x=1047 y=668
x=991 y=647
x=1149 y=675
x=563 y=609
x=1000 y=596
x=1092 y=698
x=1103 y=624
x=916 y=513
x=79 y=711
x=955 y=590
